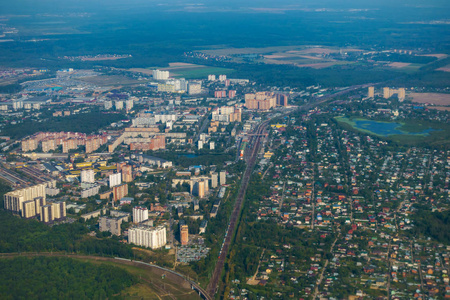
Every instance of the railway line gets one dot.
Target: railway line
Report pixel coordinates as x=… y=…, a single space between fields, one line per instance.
x=250 y=159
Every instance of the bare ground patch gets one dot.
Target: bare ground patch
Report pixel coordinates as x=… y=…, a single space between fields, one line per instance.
x=431 y=98
x=399 y=65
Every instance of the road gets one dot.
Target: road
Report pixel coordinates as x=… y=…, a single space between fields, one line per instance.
x=202 y=128
x=319 y=280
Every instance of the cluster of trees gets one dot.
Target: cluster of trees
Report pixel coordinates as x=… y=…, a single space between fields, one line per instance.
x=432 y=224
x=85 y=123
x=19 y=235
x=60 y=278
x=194 y=159
x=405 y=58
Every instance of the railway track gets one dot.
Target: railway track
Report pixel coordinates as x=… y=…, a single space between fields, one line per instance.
x=251 y=159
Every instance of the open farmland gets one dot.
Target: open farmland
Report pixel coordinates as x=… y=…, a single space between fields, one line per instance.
x=431 y=98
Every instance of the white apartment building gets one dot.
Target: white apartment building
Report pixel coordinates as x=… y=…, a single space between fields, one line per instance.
x=140 y=214
x=115 y=179
x=88 y=176
x=194 y=88
x=13 y=200
x=150 y=237
x=160 y=75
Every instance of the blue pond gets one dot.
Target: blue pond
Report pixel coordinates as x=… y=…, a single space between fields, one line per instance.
x=385 y=129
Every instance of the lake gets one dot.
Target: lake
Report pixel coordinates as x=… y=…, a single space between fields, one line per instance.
x=385 y=128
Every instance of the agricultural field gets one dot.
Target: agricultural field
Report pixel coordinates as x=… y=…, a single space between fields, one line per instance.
x=431 y=98
x=299 y=56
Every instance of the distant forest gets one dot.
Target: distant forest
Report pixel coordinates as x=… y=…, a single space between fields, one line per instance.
x=85 y=123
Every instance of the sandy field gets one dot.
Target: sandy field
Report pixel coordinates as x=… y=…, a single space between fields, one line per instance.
x=438 y=55
x=431 y=98
x=317 y=66
x=398 y=65
x=439 y=107
x=445 y=69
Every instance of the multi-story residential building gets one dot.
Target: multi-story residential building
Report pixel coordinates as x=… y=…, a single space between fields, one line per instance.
x=69 y=140
x=115 y=179
x=14 y=199
x=118 y=105
x=260 y=101
x=184 y=234
x=88 y=176
x=28 y=209
x=223 y=177
x=127 y=173
x=120 y=191
x=151 y=237
x=371 y=92
x=158 y=141
x=168 y=87
x=282 y=100
x=90 y=191
x=220 y=94
x=108 y=105
x=110 y=224
x=160 y=75
x=199 y=186
x=129 y=104
x=53 y=211
x=140 y=214
x=227 y=114
x=214 y=179
x=194 y=88
x=48 y=145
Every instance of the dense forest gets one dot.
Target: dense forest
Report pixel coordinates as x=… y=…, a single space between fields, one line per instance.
x=20 y=235
x=192 y=159
x=60 y=278
x=432 y=224
x=85 y=123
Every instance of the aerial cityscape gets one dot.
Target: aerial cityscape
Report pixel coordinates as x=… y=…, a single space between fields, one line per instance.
x=257 y=150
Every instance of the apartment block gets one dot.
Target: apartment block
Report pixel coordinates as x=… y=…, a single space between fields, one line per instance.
x=150 y=237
